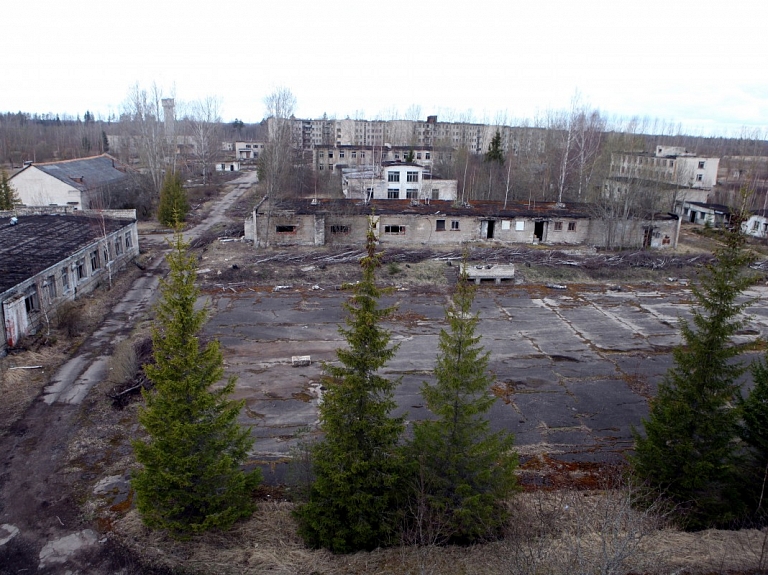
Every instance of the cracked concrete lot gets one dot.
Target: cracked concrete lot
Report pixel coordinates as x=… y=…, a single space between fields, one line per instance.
x=574 y=368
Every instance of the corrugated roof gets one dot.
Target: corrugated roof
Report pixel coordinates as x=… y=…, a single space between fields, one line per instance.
x=38 y=242
x=86 y=173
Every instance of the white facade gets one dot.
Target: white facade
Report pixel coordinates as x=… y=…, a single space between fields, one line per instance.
x=398 y=181
x=669 y=164
x=248 y=150
x=757 y=224
x=36 y=188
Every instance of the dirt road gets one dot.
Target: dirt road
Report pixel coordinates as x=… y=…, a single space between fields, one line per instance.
x=41 y=526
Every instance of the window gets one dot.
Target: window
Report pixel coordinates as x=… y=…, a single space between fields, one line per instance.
x=571 y=226
x=396 y=230
x=699 y=177
x=427 y=155
x=95 y=263
x=435 y=194
x=362 y=154
x=321 y=154
x=339 y=229
x=755 y=226
x=105 y=251
x=128 y=240
x=341 y=153
x=330 y=155
x=411 y=194
x=397 y=156
x=412 y=176
x=393 y=194
x=80 y=268
x=50 y=283
x=285 y=229
x=701 y=165
x=418 y=155
x=558 y=226
x=519 y=225
x=320 y=167
x=393 y=176
x=455 y=225
x=31 y=299
x=440 y=226
x=248 y=146
x=118 y=247
x=354 y=154
x=330 y=167
x=65 y=279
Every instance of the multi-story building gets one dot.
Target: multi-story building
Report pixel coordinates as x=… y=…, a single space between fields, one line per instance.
x=669 y=165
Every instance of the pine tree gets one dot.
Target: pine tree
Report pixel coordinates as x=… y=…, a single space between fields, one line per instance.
x=173 y=206
x=495 y=153
x=190 y=480
x=465 y=471
x=352 y=504
x=8 y=197
x=688 y=451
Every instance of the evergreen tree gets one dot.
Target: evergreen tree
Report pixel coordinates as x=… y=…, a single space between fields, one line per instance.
x=173 y=206
x=352 y=503
x=8 y=197
x=190 y=480
x=754 y=433
x=104 y=142
x=688 y=452
x=466 y=472
x=495 y=153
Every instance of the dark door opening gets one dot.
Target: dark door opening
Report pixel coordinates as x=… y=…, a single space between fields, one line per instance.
x=693 y=217
x=538 y=230
x=490 y=229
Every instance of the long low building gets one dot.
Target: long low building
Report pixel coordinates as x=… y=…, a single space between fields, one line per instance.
x=48 y=259
x=410 y=223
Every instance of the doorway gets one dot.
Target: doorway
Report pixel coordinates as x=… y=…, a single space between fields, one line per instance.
x=538 y=231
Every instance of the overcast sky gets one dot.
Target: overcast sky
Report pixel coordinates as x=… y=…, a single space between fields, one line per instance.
x=702 y=64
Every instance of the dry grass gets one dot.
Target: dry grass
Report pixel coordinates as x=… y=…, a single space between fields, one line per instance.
x=558 y=533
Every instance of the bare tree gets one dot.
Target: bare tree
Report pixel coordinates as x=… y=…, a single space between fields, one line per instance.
x=204 y=124
x=147 y=122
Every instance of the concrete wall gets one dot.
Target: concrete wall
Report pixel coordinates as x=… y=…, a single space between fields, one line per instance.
x=52 y=289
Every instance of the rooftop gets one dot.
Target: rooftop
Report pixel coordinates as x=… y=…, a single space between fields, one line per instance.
x=36 y=243
x=85 y=173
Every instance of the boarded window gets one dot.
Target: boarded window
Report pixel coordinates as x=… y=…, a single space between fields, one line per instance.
x=519 y=225
x=285 y=229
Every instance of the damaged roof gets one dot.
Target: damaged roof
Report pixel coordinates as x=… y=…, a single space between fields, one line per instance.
x=85 y=173
x=478 y=209
x=36 y=243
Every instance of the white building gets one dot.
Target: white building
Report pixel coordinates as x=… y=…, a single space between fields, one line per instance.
x=73 y=183
x=668 y=164
x=398 y=181
x=248 y=150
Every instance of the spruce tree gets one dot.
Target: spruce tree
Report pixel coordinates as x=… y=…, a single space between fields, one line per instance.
x=495 y=153
x=465 y=472
x=173 y=206
x=754 y=433
x=352 y=503
x=688 y=451
x=190 y=478
x=8 y=197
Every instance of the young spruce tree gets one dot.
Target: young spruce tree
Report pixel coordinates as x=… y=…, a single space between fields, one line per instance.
x=465 y=472
x=8 y=197
x=352 y=503
x=173 y=206
x=190 y=480
x=688 y=452
x=754 y=433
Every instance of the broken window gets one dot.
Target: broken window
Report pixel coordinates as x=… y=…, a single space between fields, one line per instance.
x=95 y=263
x=339 y=229
x=80 y=268
x=571 y=226
x=31 y=299
x=455 y=225
x=440 y=226
x=558 y=226
x=397 y=230
x=50 y=283
x=701 y=165
x=65 y=279
x=283 y=229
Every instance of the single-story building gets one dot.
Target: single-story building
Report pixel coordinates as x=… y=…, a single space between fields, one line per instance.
x=714 y=215
x=228 y=166
x=757 y=224
x=77 y=183
x=48 y=259
x=408 y=223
